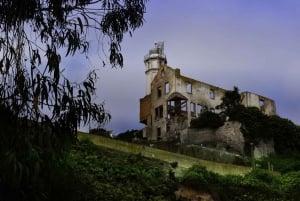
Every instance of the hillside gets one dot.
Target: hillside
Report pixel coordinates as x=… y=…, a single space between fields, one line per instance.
x=134 y=173
x=184 y=162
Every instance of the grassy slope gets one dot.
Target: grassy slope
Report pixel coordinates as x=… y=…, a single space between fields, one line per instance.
x=184 y=161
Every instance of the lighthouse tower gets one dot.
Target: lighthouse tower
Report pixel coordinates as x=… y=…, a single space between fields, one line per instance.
x=153 y=60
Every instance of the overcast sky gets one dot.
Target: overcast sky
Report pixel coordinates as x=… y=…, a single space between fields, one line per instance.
x=251 y=44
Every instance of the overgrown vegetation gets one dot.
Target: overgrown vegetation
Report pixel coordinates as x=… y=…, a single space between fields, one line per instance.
x=281 y=163
x=207 y=119
x=258 y=185
x=94 y=173
x=256 y=126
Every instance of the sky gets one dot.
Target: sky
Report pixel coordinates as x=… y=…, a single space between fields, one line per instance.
x=251 y=44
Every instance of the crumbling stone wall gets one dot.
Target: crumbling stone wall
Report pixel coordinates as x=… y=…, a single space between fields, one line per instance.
x=228 y=135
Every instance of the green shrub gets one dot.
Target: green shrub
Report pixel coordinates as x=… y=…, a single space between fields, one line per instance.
x=290 y=184
x=199 y=178
x=207 y=120
x=95 y=173
x=281 y=163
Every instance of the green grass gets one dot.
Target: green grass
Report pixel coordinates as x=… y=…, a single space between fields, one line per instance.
x=184 y=162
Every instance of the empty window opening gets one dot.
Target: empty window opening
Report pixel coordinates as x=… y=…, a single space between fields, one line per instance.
x=167 y=87
x=193 y=109
x=168 y=128
x=212 y=94
x=261 y=103
x=159 y=91
x=158 y=133
x=169 y=116
x=188 y=88
x=171 y=103
x=159 y=112
x=199 y=109
x=171 y=109
x=183 y=106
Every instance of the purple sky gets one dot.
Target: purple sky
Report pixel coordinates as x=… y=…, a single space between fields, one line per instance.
x=251 y=44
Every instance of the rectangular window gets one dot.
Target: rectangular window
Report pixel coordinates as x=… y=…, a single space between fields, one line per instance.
x=159 y=91
x=167 y=87
x=171 y=109
x=183 y=106
x=158 y=133
x=261 y=102
x=156 y=113
x=168 y=128
x=188 y=87
x=212 y=94
x=193 y=109
x=159 y=112
x=199 y=109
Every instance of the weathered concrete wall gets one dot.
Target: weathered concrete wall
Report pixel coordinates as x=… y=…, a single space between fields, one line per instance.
x=145 y=109
x=266 y=105
x=230 y=134
x=227 y=136
x=197 y=136
x=211 y=154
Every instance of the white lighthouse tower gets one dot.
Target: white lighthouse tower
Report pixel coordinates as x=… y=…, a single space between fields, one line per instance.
x=153 y=60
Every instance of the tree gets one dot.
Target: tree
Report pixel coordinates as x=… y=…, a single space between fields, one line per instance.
x=231 y=101
x=207 y=120
x=40 y=109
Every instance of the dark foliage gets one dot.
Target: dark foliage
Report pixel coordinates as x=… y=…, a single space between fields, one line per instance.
x=257 y=126
x=281 y=163
x=230 y=101
x=130 y=135
x=258 y=185
x=95 y=173
x=40 y=109
x=207 y=120
x=100 y=131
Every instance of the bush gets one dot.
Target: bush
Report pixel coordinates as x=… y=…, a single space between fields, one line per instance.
x=290 y=184
x=199 y=178
x=281 y=163
x=207 y=120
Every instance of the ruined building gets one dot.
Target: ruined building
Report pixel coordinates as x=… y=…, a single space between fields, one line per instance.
x=172 y=99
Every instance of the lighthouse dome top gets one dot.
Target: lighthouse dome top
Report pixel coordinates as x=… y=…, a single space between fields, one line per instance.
x=156 y=53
